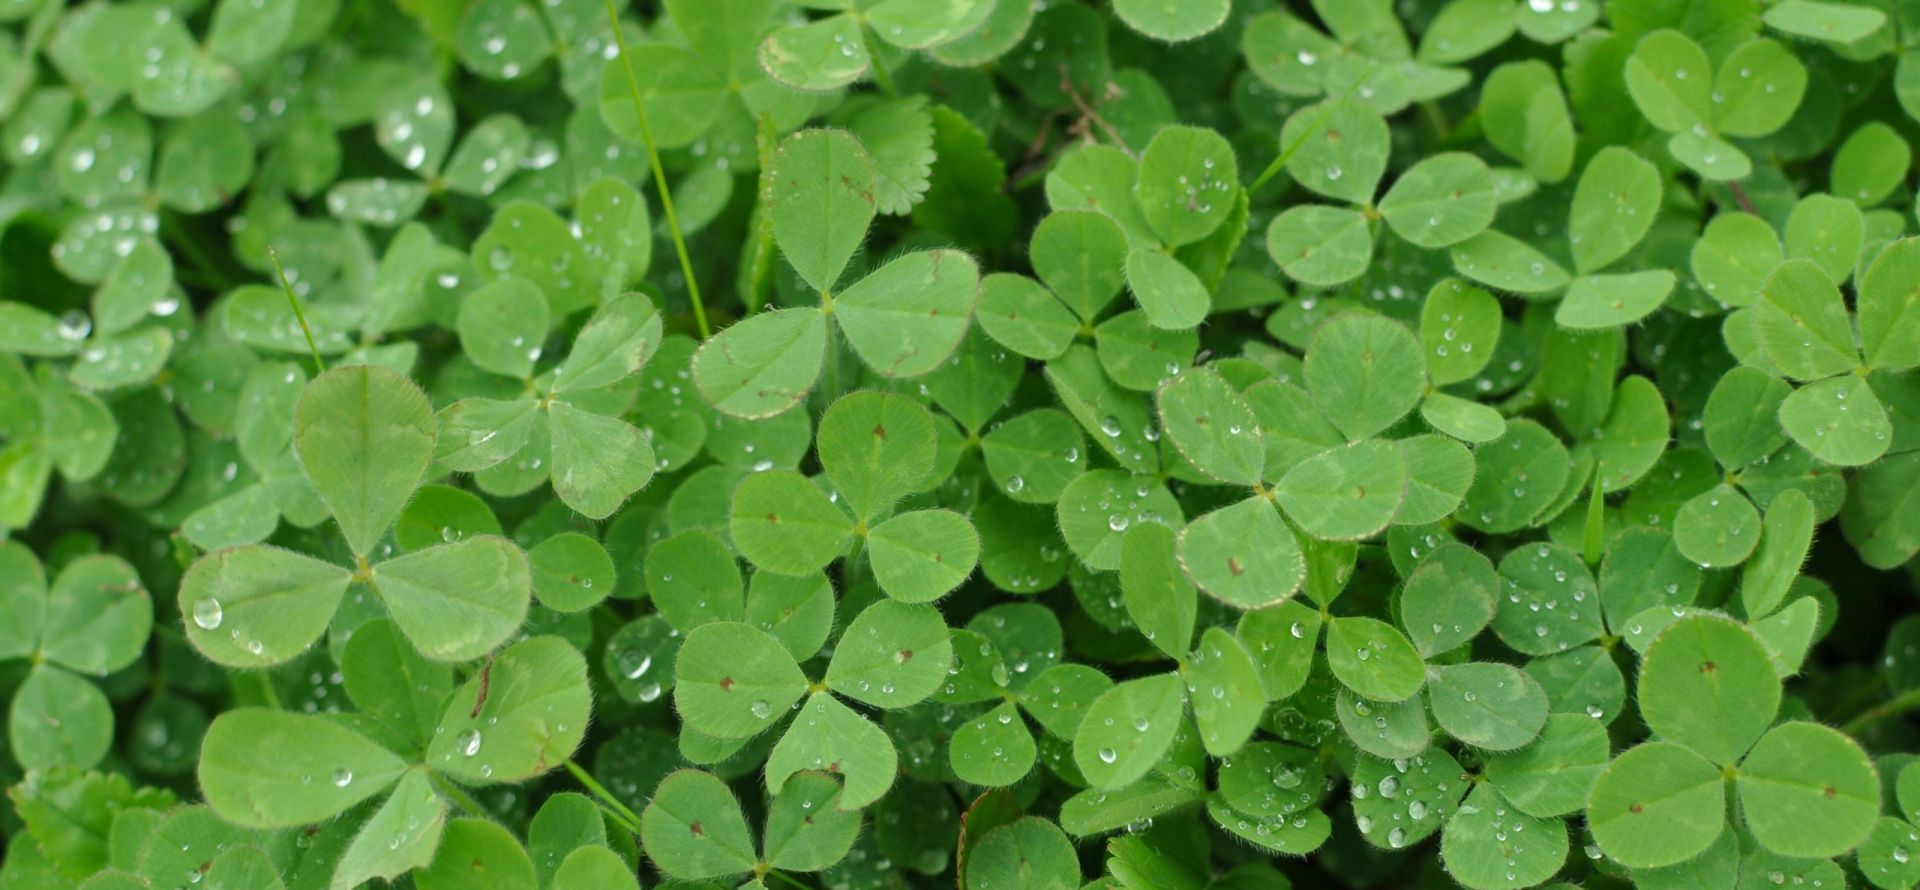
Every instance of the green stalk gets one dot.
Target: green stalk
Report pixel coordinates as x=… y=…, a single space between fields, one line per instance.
x=319 y=366
x=457 y=794
x=1596 y=542
x=586 y=779
x=1286 y=153
x=659 y=175
x=1894 y=707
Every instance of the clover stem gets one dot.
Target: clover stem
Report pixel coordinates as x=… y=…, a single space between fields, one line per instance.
x=659 y=175
x=881 y=75
x=1596 y=540
x=182 y=239
x=267 y=692
x=1894 y=707
x=627 y=815
x=774 y=874
x=1286 y=153
x=457 y=794
x=319 y=366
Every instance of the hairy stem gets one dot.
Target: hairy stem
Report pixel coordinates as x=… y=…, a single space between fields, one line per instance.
x=1900 y=704
x=628 y=817
x=319 y=365
x=659 y=175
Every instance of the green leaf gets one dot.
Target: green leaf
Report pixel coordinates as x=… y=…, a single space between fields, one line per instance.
x=1441 y=201
x=1374 y=659
x=1808 y=791
x=823 y=184
x=258 y=605
x=401 y=836
x=1733 y=257
x=1171 y=295
x=1485 y=841
x=764 y=365
x=1714 y=159
x=1671 y=80
x=1224 y=684
x=1491 y=706
x=1346 y=493
x=784 y=523
x=1717 y=528
x=892 y=655
x=1448 y=599
x=1758 y=88
x=1552 y=776
x=824 y=55
x=1029 y=852
x=877 y=448
x=613 y=345
x=1096 y=509
x=828 y=735
x=731 y=679
x=531 y=241
x=682 y=93
x=1127 y=728
x=1173 y=22
x=1213 y=426
x=1187 y=176
x=531 y=718
x=1081 y=255
x=598 y=462
x=388 y=680
x=1655 y=805
x=1742 y=416
x=1832 y=22
x=1343 y=148
x=908 y=316
x=1242 y=554
x=809 y=826
x=1526 y=118
x=693 y=828
x=1827 y=231
x=994 y=750
x=1320 y=246
x=1159 y=597
x=1889 y=307
x=318 y=768
x=364 y=435
x=457 y=601
x=919 y=556
x=1551 y=604
x=1364 y=373
x=593 y=868
x=1611 y=301
x=58 y=719
x=1785 y=537
x=571 y=572
x=1034 y=456
x=1706 y=683
x=1499 y=260
x=477 y=853
x=97 y=617
x=1459 y=329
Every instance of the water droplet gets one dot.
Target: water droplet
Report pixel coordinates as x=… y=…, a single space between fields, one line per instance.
x=207 y=613
x=467 y=742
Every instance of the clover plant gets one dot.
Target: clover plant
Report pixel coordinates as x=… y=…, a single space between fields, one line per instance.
x=994 y=444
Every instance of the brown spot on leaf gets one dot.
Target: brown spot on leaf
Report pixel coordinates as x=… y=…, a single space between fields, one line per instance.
x=1828 y=792
x=696 y=830
x=1708 y=667
x=726 y=684
x=879 y=431
x=906 y=655
x=1635 y=807
x=1233 y=565
x=772 y=518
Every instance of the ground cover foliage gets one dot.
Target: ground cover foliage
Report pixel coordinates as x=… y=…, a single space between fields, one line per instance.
x=560 y=444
